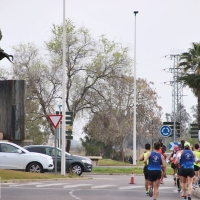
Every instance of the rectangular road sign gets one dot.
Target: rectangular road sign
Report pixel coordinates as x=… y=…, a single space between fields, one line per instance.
x=69 y=137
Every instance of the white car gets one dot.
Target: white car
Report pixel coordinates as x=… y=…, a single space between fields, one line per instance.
x=12 y=156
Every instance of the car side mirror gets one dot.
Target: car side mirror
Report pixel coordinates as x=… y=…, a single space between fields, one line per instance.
x=19 y=151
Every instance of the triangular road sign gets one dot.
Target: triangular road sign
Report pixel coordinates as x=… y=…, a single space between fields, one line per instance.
x=55 y=119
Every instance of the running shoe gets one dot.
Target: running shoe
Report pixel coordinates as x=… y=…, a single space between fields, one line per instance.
x=150 y=191
x=179 y=189
x=184 y=198
x=147 y=193
x=161 y=182
x=182 y=194
x=189 y=197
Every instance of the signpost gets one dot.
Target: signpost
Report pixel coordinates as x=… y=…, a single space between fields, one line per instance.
x=55 y=119
x=165 y=131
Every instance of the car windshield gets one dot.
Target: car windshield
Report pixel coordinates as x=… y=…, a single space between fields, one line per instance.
x=11 y=148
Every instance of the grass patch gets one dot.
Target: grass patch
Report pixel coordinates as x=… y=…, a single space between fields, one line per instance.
x=12 y=174
x=129 y=170
x=109 y=162
x=125 y=168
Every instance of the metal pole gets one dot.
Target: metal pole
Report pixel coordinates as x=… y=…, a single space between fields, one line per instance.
x=55 y=156
x=134 y=117
x=59 y=131
x=174 y=102
x=63 y=94
x=59 y=135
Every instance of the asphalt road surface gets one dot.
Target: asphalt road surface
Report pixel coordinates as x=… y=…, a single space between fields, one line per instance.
x=93 y=187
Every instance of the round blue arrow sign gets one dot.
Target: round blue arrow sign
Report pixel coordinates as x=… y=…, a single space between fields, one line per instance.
x=165 y=131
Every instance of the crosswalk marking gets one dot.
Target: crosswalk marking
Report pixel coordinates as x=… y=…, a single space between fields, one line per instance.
x=103 y=179
x=26 y=184
x=163 y=188
x=102 y=186
x=77 y=185
x=129 y=187
x=53 y=184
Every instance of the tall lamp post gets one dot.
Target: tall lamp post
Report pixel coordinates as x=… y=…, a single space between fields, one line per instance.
x=134 y=116
x=63 y=94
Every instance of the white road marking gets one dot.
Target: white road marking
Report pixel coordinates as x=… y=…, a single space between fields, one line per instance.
x=102 y=186
x=72 y=195
x=47 y=185
x=129 y=187
x=77 y=185
x=103 y=179
x=25 y=184
x=163 y=188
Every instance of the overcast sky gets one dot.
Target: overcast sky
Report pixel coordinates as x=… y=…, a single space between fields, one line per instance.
x=164 y=27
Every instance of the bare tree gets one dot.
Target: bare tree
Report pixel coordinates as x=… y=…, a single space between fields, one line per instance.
x=42 y=85
x=112 y=121
x=88 y=63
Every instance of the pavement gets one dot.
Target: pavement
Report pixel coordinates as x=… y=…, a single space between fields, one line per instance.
x=196 y=193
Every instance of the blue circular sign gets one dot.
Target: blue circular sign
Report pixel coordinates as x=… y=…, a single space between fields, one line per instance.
x=165 y=131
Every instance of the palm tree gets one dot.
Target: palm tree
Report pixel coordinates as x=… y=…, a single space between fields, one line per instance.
x=190 y=62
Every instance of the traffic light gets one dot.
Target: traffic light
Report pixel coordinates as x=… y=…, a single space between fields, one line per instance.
x=194 y=130
x=178 y=127
x=171 y=125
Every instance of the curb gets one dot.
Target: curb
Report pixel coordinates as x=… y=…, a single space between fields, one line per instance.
x=36 y=180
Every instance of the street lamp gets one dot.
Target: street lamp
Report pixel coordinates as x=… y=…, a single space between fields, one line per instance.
x=134 y=117
x=63 y=94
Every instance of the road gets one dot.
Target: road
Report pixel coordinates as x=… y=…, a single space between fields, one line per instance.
x=108 y=187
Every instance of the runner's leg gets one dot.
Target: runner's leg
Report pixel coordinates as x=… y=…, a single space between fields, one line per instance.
x=156 y=188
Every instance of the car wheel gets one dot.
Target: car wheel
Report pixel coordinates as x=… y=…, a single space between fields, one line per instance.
x=76 y=169
x=35 y=167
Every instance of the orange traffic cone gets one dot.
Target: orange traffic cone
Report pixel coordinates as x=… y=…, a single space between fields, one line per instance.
x=132 y=178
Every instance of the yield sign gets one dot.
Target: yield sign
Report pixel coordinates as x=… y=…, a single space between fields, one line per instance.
x=55 y=119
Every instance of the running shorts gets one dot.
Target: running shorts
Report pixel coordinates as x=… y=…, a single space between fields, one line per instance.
x=153 y=175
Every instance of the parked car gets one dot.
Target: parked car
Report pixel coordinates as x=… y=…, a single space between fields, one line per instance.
x=77 y=164
x=12 y=156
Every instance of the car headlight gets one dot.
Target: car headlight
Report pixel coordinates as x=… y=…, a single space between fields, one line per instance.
x=87 y=161
x=47 y=157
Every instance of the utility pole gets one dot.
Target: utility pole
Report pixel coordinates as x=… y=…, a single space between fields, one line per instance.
x=177 y=92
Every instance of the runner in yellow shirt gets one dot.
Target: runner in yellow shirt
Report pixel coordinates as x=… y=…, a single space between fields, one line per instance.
x=145 y=170
x=196 y=165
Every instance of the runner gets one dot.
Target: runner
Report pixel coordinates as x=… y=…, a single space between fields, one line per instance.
x=178 y=168
x=196 y=165
x=155 y=165
x=187 y=159
x=162 y=151
x=172 y=159
x=145 y=170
